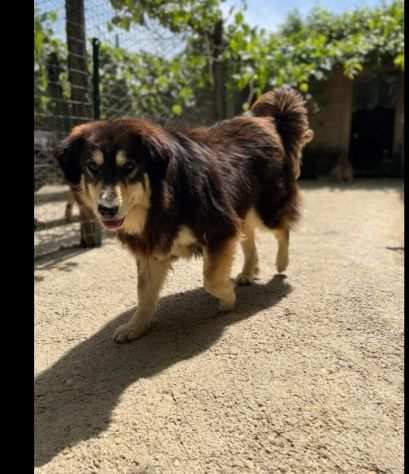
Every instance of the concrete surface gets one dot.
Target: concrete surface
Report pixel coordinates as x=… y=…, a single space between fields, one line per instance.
x=305 y=377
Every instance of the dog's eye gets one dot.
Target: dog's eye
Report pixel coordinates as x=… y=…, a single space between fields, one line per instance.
x=92 y=167
x=128 y=167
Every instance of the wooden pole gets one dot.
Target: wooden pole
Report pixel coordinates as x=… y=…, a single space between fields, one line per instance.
x=81 y=111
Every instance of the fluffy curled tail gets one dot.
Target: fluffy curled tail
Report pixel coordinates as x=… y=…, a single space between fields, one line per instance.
x=287 y=107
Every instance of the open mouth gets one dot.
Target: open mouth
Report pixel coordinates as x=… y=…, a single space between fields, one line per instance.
x=113 y=224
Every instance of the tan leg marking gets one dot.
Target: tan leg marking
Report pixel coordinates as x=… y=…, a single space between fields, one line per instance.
x=216 y=272
x=248 y=245
x=283 y=237
x=151 y=277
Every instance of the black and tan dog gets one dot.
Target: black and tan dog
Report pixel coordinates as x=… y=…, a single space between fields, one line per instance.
x=171 y=194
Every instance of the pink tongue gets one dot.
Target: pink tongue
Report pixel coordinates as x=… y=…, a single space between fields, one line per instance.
x=113 y=224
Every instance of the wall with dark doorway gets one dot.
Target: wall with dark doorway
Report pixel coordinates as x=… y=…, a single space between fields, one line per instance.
x=375 y=123
x=360 y=119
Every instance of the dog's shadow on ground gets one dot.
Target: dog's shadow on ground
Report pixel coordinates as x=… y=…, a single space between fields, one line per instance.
x=75 y=397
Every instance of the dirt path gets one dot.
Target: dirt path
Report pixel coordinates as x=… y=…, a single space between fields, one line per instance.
x=305 y=377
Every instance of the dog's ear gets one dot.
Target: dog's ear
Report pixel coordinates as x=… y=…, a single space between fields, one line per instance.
x=159 y=150
x=68 y=154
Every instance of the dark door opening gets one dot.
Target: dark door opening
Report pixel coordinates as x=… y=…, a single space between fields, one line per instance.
x=372 y=125
x=371 y=141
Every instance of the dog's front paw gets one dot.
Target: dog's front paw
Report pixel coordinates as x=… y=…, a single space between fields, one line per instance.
x=128 y=332
x=227 y=305
x=247 y=277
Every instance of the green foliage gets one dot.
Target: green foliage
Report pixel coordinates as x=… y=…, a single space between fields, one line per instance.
x=131 y=83
x=309 y=49
x=179 y=16
x=303 y=50
x=45 y=43
x=144 y=84
x=51 y=85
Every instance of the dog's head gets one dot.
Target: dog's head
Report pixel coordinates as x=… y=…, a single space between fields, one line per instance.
x=112 y=165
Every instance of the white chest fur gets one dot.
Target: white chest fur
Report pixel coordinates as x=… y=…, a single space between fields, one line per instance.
x=182 y=245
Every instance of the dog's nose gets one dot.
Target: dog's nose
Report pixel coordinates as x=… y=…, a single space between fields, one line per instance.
x=107 y=211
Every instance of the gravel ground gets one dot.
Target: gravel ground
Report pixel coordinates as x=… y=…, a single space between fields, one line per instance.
x=306 y=376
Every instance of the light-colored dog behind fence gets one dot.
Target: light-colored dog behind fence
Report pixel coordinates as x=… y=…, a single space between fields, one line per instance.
x=47 y=171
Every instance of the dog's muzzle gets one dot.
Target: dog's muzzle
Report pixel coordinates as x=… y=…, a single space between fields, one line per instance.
x=108 y=209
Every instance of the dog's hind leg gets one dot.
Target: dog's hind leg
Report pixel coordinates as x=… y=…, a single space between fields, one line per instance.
x=283 y=237
x=151 y=277
x=250 y=266
x=216 y=271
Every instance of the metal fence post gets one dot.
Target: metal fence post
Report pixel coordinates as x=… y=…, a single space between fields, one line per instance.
x=96 y=97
